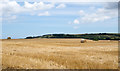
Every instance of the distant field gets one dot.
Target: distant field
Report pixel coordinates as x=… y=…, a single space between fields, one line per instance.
x=59 y=54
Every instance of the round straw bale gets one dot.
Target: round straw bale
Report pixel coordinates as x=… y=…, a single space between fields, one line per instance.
x=83 y=41
x=8 y=37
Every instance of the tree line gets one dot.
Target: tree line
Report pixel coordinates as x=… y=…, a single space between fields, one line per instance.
x=92 y=36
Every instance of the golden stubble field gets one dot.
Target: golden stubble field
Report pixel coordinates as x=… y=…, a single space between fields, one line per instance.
x=59 y=54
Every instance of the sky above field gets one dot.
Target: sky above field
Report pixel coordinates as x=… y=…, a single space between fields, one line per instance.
x=22 y=19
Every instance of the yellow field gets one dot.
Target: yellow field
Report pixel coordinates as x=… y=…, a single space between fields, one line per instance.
x=59 y=54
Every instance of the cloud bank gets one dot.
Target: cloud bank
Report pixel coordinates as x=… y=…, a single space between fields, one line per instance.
x=109 y=11
x=61 y=6
x=9 y=9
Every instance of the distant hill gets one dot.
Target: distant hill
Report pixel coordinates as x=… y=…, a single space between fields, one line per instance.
x=92 y=36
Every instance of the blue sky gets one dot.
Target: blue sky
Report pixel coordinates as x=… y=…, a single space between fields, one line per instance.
x=32 y=19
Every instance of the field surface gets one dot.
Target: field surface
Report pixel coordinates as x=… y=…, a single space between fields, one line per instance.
x=59 y=54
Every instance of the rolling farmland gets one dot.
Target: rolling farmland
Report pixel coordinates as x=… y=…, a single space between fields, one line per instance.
x=59 y=54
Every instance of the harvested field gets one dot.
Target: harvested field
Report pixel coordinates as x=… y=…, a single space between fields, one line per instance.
x=59 y=54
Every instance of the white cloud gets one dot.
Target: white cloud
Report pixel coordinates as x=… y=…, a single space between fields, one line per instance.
x=9 y=8
x=94 y=18
x=70 y=0
x=76 y=21
x=44 y=14
x=100 y=14
x=38 y=6
x=81 y=12
x=61 y=6
x=28 y=5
